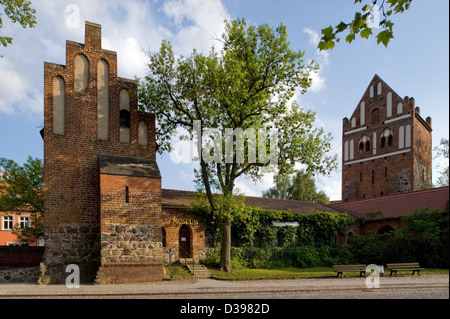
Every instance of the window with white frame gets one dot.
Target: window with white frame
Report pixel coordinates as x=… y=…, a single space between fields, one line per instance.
x=13 y=243
x=24 y=222
x=7 y=222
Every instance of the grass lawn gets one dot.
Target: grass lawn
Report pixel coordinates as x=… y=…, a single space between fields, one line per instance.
x=177 y=271
x=293 y=272
x=288 y=272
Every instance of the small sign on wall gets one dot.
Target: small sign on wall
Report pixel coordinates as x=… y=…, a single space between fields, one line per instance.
x=183 y=238
x=180 y=221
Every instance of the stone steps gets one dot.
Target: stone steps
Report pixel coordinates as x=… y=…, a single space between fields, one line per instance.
x=197 y=270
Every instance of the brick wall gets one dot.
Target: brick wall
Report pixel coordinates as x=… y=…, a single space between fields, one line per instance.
x=422 y=145
x=20 y=256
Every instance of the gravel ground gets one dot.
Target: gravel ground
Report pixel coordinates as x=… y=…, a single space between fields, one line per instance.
x=209 y=298
x=402 y=287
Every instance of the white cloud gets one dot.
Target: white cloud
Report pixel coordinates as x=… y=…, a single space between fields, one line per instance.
x=318 y=80
x=314 y=39
x=15 y=95
x=332 y=188
x=131 y=29
x=197 y=23
x=250 y=188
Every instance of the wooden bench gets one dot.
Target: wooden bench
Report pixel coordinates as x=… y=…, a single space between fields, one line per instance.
x=404 y=266
x=341 y=268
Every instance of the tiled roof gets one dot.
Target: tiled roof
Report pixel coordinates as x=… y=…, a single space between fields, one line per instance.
x=395 y=206
x=183 y=199
x=128 y=166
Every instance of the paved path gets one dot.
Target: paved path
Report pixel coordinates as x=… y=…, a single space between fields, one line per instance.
x=402 y=287
x=208 y=298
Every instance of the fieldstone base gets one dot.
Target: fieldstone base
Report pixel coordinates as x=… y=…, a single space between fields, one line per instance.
x=13 y=275
x=130 y=272
x=57 y=274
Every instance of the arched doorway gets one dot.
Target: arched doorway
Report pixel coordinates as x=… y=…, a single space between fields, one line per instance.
x=385 y=230
x=184 y=238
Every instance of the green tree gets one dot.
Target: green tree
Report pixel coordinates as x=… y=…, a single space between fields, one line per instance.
x=248 y=85
x=17 y=11
x=282 y=188
x=300 y=187
x=363 y=25
x=21 y=190
x=442 y=150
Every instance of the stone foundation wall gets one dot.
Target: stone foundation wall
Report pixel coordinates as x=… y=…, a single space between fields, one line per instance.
x=125 y=243
x=15 y=275
x=73 y=243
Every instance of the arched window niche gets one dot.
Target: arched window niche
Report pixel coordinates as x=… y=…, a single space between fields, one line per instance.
x=59 y=105
x=387 y=138
x=124 y=116
x=143 y=133
x=81 y=76
x=102 y=99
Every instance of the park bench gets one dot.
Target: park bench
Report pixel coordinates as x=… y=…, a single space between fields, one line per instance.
x=404 y=266
x=341 y=268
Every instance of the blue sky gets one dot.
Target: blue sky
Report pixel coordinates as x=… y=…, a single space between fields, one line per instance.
x=414 y=64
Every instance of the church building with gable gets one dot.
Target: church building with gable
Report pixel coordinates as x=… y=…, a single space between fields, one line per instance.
x=387 y=145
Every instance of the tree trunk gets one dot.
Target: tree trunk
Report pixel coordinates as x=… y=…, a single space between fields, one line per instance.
x=226 y=247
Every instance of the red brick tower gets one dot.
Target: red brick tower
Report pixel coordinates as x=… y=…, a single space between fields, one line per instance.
x=386 y=145
x=102 y=185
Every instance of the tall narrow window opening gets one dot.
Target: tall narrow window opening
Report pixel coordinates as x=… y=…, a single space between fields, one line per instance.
x=127 y=194
x=390 y=140
x=125 y=118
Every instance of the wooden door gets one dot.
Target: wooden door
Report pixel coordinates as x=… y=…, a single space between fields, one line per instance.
x=184 y=242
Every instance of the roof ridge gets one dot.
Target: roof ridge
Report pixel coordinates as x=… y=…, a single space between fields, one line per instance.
x=392 y=195
x=258 y=197
x=284 y=199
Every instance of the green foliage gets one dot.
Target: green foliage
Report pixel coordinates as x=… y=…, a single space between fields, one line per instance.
x=286 y=236
x=300 y=187
x=259 y=244
x=424 y=238
x=21 y=190
x=17 y=11
x=424 y=224
x=361 y=23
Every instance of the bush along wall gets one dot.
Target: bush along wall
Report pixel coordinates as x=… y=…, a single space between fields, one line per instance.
x=425 y=239
x=258 y=243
